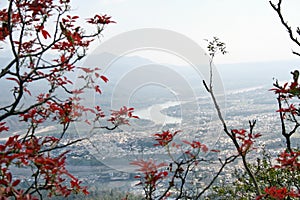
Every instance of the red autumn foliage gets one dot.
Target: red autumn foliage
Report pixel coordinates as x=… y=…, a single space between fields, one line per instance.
x=151 y=173
x=165 y=137
x=28 y=27
x=122 y=116
x=48 y=167
x=246 y=139
x=2 y=127
x=278 y=193
x=289 y=160
x=197 y=145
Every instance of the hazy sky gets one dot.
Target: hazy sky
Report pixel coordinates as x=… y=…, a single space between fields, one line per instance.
x=250 y=28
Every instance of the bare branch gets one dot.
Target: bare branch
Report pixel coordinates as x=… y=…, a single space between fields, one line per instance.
x=277 y=8
x=224 y=164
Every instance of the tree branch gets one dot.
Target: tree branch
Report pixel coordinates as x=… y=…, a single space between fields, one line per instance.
x=277 y=8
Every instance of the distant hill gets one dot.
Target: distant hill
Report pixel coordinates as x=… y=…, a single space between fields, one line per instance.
x=127 y=74
x=242 y=75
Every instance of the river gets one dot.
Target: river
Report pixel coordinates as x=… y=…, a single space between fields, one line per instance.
x=154 y=113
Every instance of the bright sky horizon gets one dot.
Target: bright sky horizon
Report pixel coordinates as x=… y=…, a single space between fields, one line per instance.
x=250 y=29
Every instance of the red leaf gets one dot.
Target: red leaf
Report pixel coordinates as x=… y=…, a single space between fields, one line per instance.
x=63 y=58
x=3 y=182
x=9 y=177
x=10 y=141
x=88 y=122
x=16 y=182
x=85 y=191
x=80 y=91
x=26 y=90
x=257 y=135
x=45 y=34
x=2 y=127
x=136 y=117
x=97 y=88
x=104 y=79
x=14 y=79
x=86 y=70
